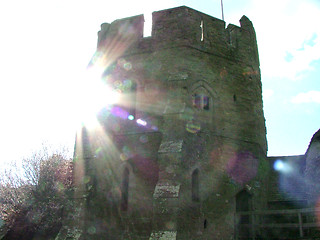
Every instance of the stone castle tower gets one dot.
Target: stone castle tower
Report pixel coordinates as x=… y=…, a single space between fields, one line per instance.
x=185 y=146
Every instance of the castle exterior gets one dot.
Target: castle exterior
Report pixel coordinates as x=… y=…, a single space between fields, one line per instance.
x=184 y=148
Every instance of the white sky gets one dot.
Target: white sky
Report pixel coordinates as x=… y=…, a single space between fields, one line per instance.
x=45 y=46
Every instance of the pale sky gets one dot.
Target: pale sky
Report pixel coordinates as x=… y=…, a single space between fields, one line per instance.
x=45 y=46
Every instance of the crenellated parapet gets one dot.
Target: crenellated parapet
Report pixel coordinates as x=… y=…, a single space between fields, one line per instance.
x=182 y=27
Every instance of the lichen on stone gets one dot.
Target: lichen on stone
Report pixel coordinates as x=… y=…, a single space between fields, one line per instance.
x=163 y=235
x=171 y=146
x=165 y=190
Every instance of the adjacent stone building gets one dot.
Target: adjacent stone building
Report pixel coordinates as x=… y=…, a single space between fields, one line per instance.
x=312 y=169
x=184 y=148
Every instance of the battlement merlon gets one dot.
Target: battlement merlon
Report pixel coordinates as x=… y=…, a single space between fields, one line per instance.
x=184 y=26
x=126 y=30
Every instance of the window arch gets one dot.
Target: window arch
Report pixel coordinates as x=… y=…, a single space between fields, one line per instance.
x=244 y=204
x=195 y=186
x=125 y=190
x=201 y=101
x=202 y=97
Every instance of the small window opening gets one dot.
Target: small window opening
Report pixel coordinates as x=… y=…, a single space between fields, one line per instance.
x=230 y=37
x=201 y=101
x=125 y=190
x=201 y=26
x=195 y=186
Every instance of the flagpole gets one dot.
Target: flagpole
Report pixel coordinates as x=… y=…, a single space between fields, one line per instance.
x=222 y=10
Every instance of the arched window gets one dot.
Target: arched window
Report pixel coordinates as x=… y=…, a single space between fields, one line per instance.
x=125 y=190
x=201 y=101
x=243 y=204
x=201 y=98
x=195 y=186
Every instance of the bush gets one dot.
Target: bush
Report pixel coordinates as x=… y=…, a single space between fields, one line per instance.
x=32 y=197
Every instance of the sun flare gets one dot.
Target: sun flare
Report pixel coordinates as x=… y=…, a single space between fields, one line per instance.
x=94 y=94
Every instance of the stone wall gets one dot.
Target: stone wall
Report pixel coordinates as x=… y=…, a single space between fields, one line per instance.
x=198 y=128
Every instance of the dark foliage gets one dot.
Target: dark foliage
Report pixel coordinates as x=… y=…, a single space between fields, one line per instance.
x=32 y=202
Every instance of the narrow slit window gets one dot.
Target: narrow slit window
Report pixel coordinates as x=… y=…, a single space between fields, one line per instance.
x=196 y=100
x=230 y=37
x=195 y=186
x=125 y=190
x=201 y=26
x=205 y=103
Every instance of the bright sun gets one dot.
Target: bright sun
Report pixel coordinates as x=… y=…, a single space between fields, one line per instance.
x=93 y=95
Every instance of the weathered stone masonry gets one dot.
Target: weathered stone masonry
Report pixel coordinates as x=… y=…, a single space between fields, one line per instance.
x=196 y=87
